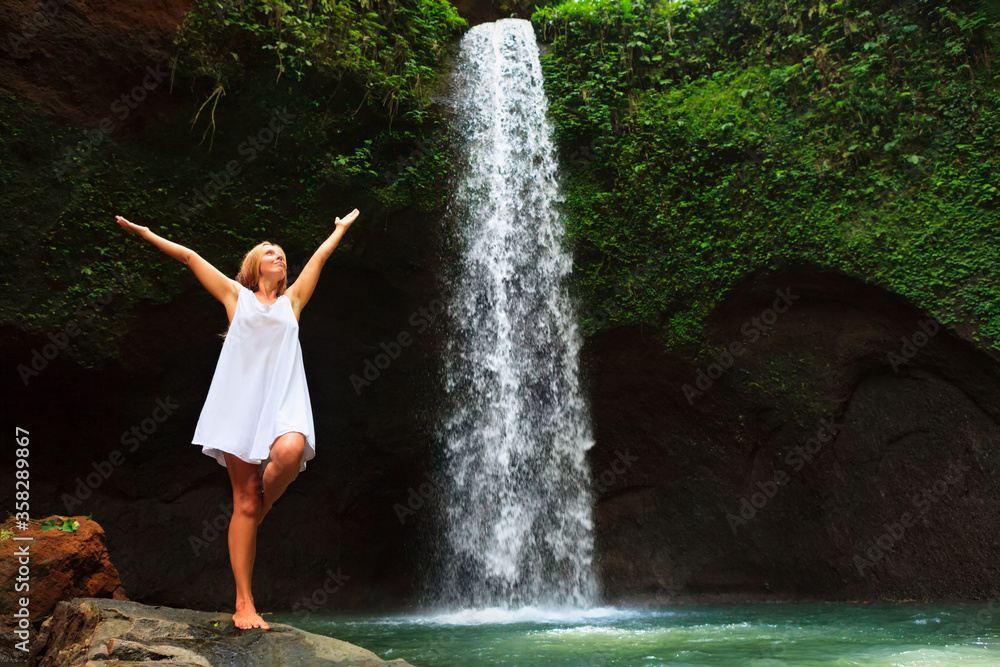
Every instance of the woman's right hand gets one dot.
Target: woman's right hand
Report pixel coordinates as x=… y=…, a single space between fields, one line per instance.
x=132 y=227
x=346 y=221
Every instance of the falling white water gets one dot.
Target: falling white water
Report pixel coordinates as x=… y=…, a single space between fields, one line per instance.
x=519 y=528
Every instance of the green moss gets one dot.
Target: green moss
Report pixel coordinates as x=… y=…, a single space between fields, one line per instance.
x=713 y=141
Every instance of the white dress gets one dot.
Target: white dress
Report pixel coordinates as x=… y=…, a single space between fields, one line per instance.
x=259 y=388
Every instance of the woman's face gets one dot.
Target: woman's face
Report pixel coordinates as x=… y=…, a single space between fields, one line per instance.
x=272 y=263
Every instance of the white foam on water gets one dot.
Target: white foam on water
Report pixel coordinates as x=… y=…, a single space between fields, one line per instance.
x=539 y=615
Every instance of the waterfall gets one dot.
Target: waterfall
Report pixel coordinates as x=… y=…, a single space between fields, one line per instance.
x=518 y=505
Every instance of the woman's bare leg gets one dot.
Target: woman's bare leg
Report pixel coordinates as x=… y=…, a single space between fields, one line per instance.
x=245 y=478
x=286 y=459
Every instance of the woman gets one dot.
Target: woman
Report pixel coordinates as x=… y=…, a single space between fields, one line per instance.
x=257 y=420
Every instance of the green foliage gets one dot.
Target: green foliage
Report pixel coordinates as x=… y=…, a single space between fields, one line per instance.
x=68 y=253
x=392 y=48
x=62 y=523
x=711 y=141
x=338 y=63
x=404 y=167
x=605 y=54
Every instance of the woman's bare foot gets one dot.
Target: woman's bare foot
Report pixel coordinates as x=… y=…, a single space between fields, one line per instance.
x=246 y=617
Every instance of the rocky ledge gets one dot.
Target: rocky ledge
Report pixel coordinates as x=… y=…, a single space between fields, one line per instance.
x=97 y=632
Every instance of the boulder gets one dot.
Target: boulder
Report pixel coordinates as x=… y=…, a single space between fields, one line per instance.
x=61 y=565
x=96 y=632
x=844 y=449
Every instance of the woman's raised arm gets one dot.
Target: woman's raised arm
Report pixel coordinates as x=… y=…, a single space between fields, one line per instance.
x=220 y=286
x=301 y=290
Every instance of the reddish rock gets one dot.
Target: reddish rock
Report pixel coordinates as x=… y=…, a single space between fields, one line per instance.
x=63 y=566
x=76 y=58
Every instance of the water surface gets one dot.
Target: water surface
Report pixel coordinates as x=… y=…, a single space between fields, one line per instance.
x=748 y=634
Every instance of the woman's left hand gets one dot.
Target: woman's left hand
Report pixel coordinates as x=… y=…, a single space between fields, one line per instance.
x=346 y=221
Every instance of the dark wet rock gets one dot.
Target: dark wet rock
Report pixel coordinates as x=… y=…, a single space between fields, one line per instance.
x=97 y=632
x=848 y=452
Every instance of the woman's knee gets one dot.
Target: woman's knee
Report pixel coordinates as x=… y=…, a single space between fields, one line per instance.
x=288 y=449
x=246 y=505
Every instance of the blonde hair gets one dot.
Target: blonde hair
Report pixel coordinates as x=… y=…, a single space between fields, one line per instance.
x=249 y=275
